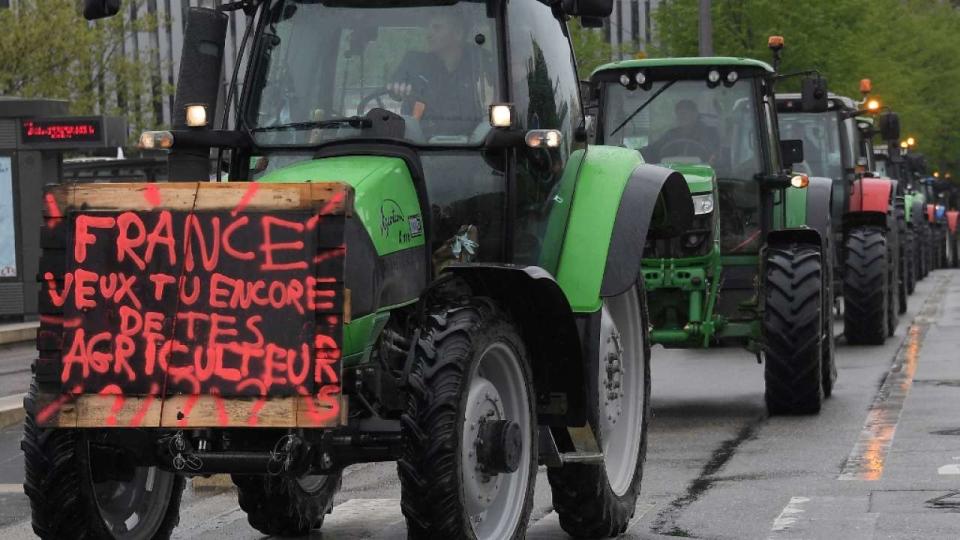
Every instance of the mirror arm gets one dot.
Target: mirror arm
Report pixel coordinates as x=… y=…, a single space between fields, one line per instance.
x=780 y=77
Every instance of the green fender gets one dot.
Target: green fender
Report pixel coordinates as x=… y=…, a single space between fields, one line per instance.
x=617 y=200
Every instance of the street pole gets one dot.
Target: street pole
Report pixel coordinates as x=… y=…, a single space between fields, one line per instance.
x=706 y=29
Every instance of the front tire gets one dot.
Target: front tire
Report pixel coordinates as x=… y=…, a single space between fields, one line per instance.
x=793 y=330
x=866 y=296
x=470 y=389
x=283 y=506
x=595 y=500
x=72 y=497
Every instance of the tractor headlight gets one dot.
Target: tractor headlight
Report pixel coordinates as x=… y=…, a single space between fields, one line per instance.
x=703 y=204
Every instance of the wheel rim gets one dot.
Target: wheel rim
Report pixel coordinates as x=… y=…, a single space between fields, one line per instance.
x=621 y=388
x=134 y=509
x=497 y=391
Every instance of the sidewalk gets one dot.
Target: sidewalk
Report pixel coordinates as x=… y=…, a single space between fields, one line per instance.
x=18 y=332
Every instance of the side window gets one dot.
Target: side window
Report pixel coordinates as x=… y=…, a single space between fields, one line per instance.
x=770 y=119
x=545 y=83
x=545 y=94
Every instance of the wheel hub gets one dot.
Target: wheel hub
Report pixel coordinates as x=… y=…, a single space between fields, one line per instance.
x=481 y=481
x=499 y=446
x=613 y=381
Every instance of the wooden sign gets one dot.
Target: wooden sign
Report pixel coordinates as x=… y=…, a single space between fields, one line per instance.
x=193 y=304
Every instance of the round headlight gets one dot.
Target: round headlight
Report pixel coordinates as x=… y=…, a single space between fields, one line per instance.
x=732 y=77
x=625 y=79
x=713 y=76
x=640 y=77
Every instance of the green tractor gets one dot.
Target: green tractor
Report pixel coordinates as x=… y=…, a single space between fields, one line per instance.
x=431 y=266
x=754 y=267
x=868 y=211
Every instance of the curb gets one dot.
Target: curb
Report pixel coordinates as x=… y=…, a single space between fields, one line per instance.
x=18 y=332
x=11 y=410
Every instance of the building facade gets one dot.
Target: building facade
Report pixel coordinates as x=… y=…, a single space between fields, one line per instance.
x=630 y=28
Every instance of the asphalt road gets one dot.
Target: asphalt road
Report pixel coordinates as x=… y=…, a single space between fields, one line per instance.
x=882 y=460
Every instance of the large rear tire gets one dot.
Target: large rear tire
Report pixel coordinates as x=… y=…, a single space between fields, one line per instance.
x=72 y=495
x=470 y=390
x=910 y=252
x=893 y=280
x=283 y=506
x=865 y=286
x=793 y=329
x=591 y=500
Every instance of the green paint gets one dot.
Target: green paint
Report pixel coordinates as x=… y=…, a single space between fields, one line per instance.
x=604 y=173
x=700 y=178
x=560 y=213
x=796 y=208
x=384 y=196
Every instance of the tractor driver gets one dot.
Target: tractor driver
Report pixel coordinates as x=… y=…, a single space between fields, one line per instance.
x=448 y=87
x=690 y=136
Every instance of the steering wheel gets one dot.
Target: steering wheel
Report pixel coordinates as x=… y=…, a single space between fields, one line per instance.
x=686 y=145
x=375 y=95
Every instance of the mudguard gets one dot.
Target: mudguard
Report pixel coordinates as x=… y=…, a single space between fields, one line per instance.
x=602 y=248
x=549 y=328
x=819 y=201
x=952 y=220
x=871 y=194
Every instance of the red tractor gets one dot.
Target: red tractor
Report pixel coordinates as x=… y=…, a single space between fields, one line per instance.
x=866 y=210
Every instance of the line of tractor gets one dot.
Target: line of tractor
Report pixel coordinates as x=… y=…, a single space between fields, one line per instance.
x=496 y=244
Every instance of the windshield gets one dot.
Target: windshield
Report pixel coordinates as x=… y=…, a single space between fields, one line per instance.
x=820 y=133
x=319 y=67
x=687 y=122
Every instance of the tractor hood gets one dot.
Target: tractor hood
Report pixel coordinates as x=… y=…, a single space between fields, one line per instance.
x=384 y=196
x=700 y=178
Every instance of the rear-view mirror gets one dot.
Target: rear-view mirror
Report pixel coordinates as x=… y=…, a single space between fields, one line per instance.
x=791 y=152
x=814 y=94
x=588 y=8
x=98 y=9
x=890 y=126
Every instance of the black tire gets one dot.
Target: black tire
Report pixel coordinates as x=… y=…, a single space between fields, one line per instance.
x=793 y=329
x=910 y=252
x=902 y=261
x=865 y=286
x=452 y=345
x=284 y=506
x=585 y=502
x=893 y=280
x=64 y=500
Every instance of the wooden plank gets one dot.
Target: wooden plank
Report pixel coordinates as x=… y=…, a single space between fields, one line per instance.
x=213 y=411
x=106 y=411
x=56 y=410
x=314 y=412
x=330 y=197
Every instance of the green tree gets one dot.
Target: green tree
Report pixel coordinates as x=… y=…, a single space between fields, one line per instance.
x=48 y=50
x=591 y=48
x=906 y=47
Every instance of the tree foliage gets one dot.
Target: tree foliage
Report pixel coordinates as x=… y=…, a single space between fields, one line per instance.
x=48 y=50
x=906 y=47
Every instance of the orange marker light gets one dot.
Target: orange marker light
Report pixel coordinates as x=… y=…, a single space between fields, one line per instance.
x=873 y=105
x=775 y=42
x=866 y=86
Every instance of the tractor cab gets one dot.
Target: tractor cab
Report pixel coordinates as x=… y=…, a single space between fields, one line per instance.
x=710 y=118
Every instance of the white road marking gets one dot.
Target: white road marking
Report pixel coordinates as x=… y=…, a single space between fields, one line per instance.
x=952 y=468
x=789 y=516
x=11 y=489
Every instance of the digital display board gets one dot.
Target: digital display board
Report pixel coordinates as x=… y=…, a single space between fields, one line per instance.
x=61 y=130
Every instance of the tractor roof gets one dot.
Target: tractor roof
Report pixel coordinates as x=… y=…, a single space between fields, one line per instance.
x=843 y=102
x=706 y=61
